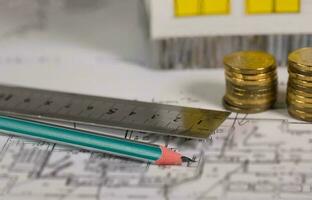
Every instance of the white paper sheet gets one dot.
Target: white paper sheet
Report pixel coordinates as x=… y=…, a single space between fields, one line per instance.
x=260 y=156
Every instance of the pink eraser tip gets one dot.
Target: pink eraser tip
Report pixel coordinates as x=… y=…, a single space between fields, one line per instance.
x=169 y=157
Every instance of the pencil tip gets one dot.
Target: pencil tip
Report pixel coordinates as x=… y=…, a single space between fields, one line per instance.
x=187 y=159
x=169 y=157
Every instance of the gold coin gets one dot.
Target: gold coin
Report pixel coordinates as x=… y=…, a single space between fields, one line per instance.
x=252 y=84
x=251 y=92
x=299 y=92
x=301 y=83
x=299 y=87
x=236 y=109
x=298 y=103
x=295 y=68
x=247 y=102
x=251 y=95
x=251 y=77
x=299 y=97
x=250 y=62
x=302 y=57
x=299 y=114
x=233 y=108
x=290 y=104
x=246 y=89
x=298 y=76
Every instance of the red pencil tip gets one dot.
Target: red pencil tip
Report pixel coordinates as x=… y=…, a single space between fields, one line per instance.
x=169 y=157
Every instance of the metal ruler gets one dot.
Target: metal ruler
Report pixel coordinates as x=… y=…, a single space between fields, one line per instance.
x=109 y=112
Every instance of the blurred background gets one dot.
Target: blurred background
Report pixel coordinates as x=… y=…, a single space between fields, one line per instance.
x=62 y=31
x=147 y=50
x=40 y=30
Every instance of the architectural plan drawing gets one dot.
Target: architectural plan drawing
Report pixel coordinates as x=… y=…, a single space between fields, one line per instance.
x=258 y=158
x=265 y=156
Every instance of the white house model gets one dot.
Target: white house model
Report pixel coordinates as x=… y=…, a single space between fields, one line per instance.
x=189 y=18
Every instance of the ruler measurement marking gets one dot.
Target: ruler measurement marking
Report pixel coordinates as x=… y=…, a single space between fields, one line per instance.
x=120 y=113
x=131 y=113
x=82 y=108
x=7 y=96
x=87 y=112
x=27 y=102
x=66 y=108
x=104 y=109
x=109 y=112
x=46 y=101
x=20 y=101
x=60 y=105
x=96 y=112
x=11 y=100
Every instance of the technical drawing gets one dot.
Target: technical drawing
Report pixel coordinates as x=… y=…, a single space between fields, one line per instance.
x=258 y=158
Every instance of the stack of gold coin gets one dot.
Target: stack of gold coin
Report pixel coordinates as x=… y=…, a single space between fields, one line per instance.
x=251 y=81
x=299 y=90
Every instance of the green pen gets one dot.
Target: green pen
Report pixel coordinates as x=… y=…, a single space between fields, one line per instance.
x=159 y=155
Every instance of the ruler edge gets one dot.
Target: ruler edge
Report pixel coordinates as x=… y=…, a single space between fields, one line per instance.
x=154 y=104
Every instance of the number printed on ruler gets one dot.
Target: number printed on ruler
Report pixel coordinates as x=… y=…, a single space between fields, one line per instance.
x=109 y=112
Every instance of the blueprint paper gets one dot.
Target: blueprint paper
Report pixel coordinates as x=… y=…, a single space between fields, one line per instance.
x=246 y=158
x=264 y=156
x=259 y=156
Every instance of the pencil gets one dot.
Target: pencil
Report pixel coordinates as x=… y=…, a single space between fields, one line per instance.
x=159 y=155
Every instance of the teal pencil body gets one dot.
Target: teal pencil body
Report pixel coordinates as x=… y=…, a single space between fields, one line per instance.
x=82 y=139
